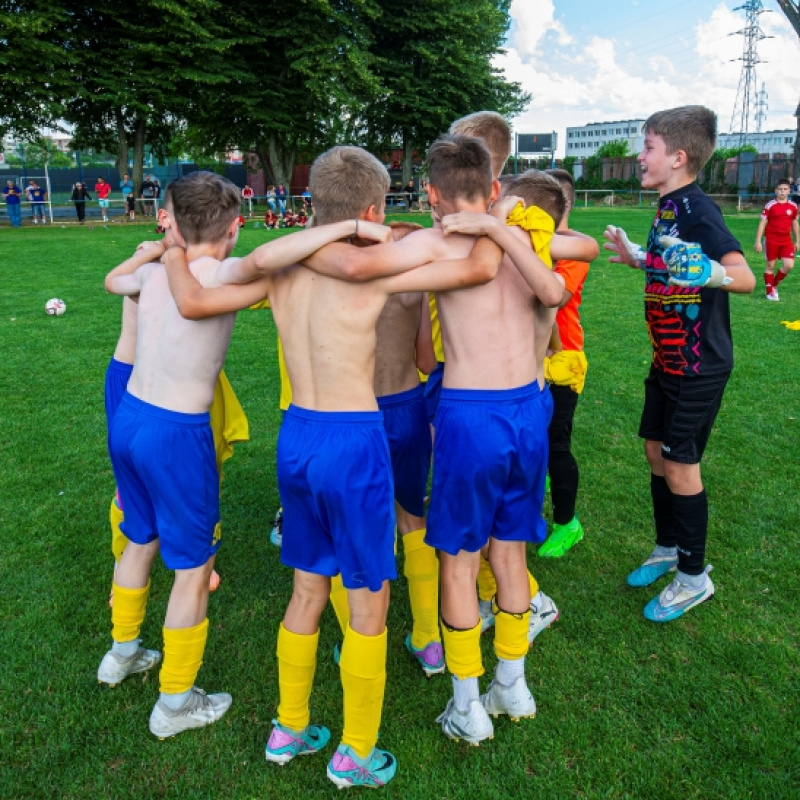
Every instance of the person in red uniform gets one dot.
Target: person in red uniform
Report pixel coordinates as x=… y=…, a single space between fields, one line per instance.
x=778 y=222
x=103 y=189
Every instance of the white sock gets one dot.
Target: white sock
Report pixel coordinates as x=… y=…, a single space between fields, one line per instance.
x=507 y=672
x=464 y=692
x=175 y=701
x=536 y=602
x=692 y=581
x=661 y=552
x=125 y=649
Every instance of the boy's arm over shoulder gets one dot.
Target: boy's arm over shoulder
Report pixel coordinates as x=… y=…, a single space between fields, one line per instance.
x=574 y=246
x=281 y=253
x=128 y=277
x=195 y=301
x=547 y=287
x=382 y=260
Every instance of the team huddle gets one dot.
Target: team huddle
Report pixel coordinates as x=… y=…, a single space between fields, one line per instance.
x=362 y=311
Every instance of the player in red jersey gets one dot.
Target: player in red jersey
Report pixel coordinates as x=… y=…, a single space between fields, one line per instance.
x=778 y=222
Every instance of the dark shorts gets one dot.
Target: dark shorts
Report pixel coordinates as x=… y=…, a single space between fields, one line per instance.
x=130 y=202
x=433 y=388
x=406 y=423
x=680 y=412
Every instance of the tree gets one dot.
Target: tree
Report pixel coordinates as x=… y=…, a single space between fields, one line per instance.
x=294 y=82
x=791 y=8
x=33 y=64
x=133 y=74
x=428 y=78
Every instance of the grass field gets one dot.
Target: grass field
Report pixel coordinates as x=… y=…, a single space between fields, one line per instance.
x=706 y=707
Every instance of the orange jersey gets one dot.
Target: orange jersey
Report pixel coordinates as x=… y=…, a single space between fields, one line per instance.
x=568 y=318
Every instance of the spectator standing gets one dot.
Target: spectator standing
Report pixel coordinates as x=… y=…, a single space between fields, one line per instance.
x=148 y=194
x=11 y=194
x=126 y=187
x=103 y=189
x=79 y=196
x=281 y=194
x=410 y=193
x=271 y=198
x=307 y=207
x=247 y=196
x=37 y=196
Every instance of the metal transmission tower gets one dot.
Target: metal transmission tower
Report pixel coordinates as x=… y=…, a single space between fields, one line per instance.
x=761 y=108
x=744 y=109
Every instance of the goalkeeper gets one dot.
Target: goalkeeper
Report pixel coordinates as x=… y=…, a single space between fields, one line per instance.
x=691 y=264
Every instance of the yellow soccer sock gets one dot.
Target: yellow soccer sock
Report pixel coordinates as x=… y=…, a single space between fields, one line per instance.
x=462 y=651
x=422 y=573
x=363 y=670
x=297 y=662
x=127 y=614
x=487 y=585
x=534 y=584
x=511 y=634
x=183 y=657
x=339 y=602
x=118 y=539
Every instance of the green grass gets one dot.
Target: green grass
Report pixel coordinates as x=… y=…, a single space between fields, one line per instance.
x=703 y=708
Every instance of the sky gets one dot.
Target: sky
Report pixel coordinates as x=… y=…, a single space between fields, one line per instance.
x=596 y=61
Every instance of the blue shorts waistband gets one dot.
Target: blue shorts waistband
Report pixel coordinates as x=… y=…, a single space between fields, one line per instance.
x=335 y=417
x=119 y=366
x=400 y=398
x=164 y=414
x=514 y=395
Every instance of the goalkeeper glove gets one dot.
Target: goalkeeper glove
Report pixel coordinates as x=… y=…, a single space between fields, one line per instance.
x=690 y=267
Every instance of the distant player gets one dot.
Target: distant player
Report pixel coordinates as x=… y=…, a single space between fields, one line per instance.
x=691 y=264
x=778 y=223
x=103 y=189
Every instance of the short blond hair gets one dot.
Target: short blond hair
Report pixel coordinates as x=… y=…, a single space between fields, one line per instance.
x=204 y=204
x=495 y=132
x=344 y=182
x=537 y=188
x=460 y=167
x=692 y=129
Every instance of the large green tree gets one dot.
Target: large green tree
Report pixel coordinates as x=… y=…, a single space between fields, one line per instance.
x=34 y=66
x=296 y=79
x=434 y=62
x=134 y=68
x=791 y=8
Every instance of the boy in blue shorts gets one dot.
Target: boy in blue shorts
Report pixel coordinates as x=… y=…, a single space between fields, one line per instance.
x=334 y=468
x=162 y=449
x=691 y=264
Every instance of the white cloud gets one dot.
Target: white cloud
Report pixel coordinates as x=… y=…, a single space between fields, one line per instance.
x=593 y=81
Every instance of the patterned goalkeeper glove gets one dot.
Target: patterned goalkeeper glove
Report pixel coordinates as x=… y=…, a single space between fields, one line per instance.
x=690 y=267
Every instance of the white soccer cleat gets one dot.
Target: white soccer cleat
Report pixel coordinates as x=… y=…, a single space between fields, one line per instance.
x=542 y=615
x=114 y=668
x=516 y=700
x=199 y=710
x=473 y=727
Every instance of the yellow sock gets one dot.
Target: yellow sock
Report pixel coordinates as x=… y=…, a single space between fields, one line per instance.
x=511 y=634
x=118 y=539
x=297 y=662
x=422 y=573
x=339 y=602
x=127 y=614
x=462 y=651
x=487 y=585
x=533 y=584
x=363 y=670
x=183 y=657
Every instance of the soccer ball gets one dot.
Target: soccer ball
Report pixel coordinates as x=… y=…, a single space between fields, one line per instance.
x=55 y=307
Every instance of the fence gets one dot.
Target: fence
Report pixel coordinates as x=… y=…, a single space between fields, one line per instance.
x=595 y=198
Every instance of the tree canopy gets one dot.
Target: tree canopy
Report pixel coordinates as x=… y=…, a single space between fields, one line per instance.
x=208 y=77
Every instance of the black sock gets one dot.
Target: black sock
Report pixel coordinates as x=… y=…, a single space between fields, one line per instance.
x=691 y=529
x=563 y=485
x=663 y=511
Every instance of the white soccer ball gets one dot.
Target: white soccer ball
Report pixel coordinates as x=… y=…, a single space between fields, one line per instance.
x=55 y=307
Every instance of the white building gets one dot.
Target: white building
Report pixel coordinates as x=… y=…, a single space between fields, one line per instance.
x=586 y=140
x=770 y=142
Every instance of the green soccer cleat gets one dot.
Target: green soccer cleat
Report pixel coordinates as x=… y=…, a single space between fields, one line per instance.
x=562 y=539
